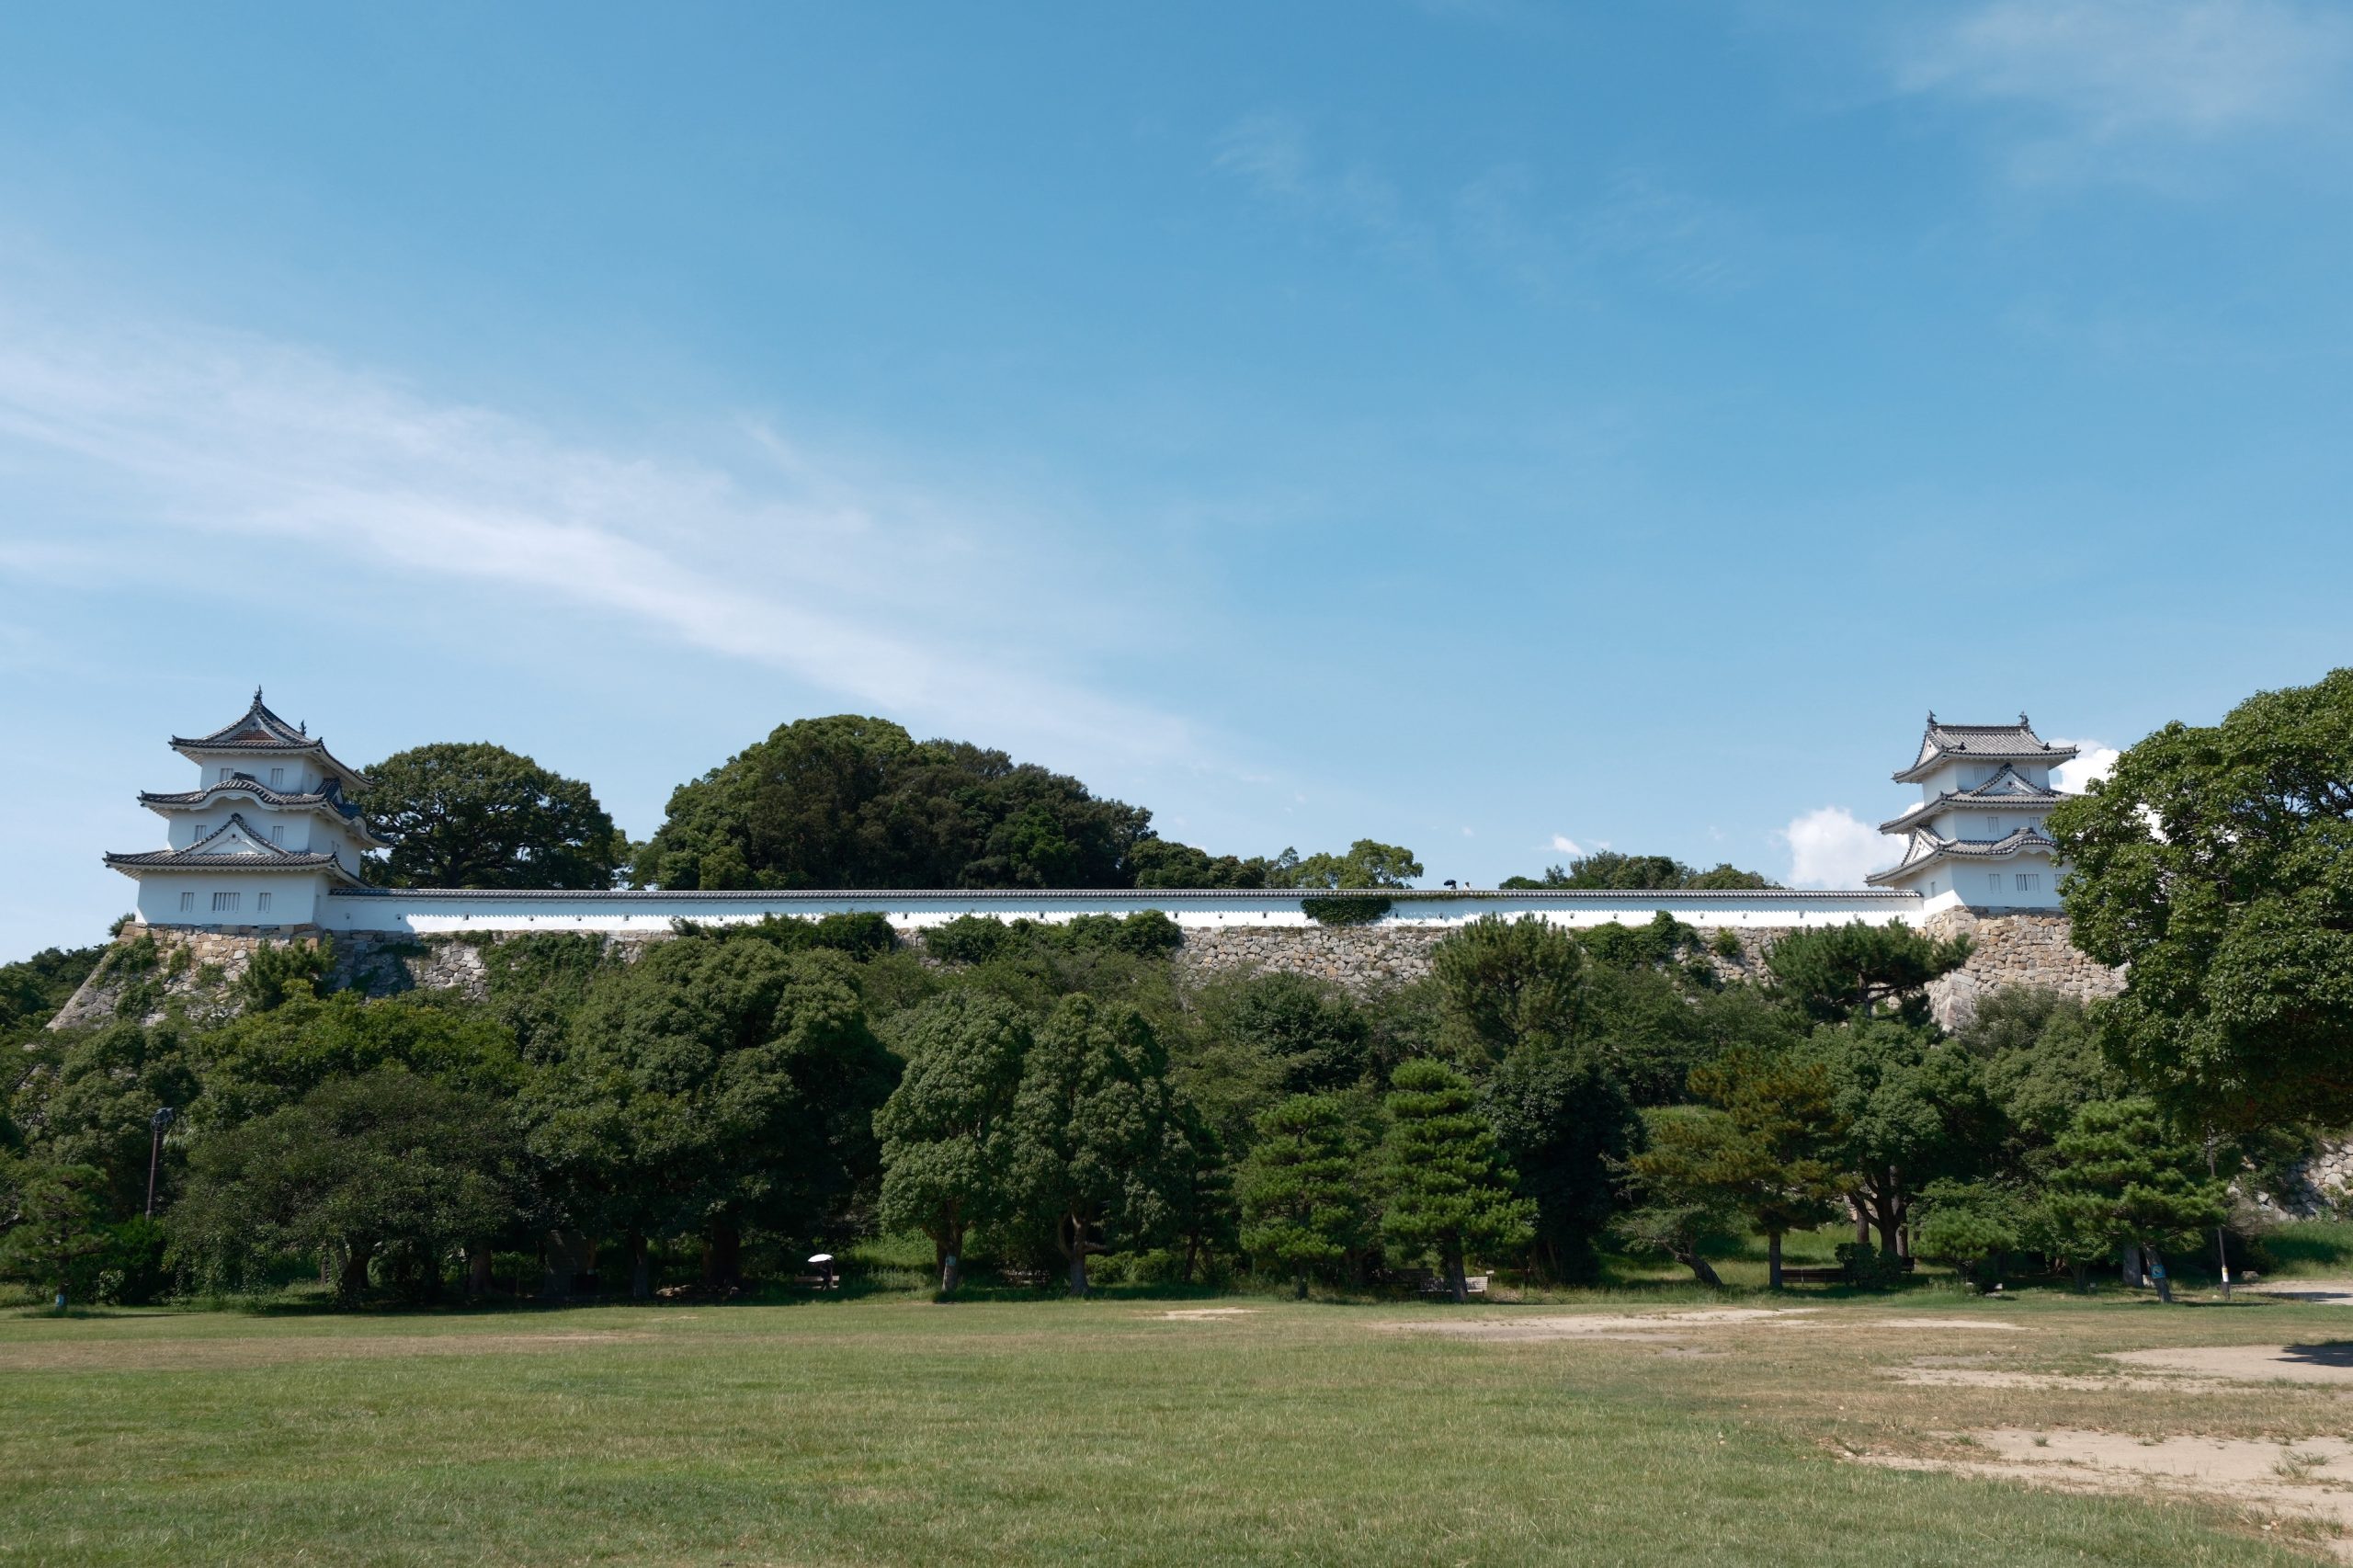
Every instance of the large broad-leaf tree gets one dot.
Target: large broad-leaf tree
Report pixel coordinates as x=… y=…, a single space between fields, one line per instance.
x=1564 y=1123
x=722 y=1081
x=462 y=814
x=852 y=802
x=947 y=1149
x=385 y=1167
x=1915 y=1110
x=2217 y=863
x=1099 y=1133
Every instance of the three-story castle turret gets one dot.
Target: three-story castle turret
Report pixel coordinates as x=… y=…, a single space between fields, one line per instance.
x=1977 y=834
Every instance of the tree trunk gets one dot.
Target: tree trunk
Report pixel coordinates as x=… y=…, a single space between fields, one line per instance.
x=352 y=1283
x=641 y=1268
x=723 y=1258
x=1773 y=1260
x=2083 y=1273
x=1701 y=1270
x=2160 y=1276
x=1453 y=1256
x=478 y=1270
x=945 y=1245
x=1862 y=1219
x=1298 y=1286
x=2132 y=1265
x=1192 y=1256
x=1079 y=1269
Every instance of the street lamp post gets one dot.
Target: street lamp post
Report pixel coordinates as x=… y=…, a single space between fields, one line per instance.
x=165 y=1116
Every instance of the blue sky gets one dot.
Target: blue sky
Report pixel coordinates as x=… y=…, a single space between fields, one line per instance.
x=1486 y=427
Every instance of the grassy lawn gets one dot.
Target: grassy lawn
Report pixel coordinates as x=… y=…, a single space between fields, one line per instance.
x=893 y=1430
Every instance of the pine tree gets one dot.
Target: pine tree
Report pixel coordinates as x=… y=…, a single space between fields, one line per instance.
x=1303 y=1207
x=1446 y=1187
x=2125 y=1179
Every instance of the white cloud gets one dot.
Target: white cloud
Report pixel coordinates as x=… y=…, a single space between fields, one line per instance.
x=2104 y=71
x=1565 y=845
x=1271 y=154
x=1829 y=848
x=877 y=592
x=2093 y=760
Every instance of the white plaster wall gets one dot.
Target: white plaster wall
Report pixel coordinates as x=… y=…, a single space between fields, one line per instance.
x=631 y=911
x=294 y=897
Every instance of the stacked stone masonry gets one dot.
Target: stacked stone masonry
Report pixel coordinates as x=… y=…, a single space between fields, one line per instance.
x=2010 y=950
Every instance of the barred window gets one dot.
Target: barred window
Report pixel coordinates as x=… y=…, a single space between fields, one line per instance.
x=2029 y=881
x=187 y=904
x=277 y=778
x=226 y=902
x=261 y=904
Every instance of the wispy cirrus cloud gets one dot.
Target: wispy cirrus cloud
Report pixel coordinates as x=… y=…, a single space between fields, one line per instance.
x=761 y=551
x=1271 y=154
x=2104 y=80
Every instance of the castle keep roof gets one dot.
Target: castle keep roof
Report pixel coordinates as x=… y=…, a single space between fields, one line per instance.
x=1981 y=743
x=260 y=732
x=2006 y=788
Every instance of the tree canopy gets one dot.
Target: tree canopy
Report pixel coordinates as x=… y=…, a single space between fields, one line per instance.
x=477 y=815
x=2217 y=863
x=1612 y=870
x=850 y=801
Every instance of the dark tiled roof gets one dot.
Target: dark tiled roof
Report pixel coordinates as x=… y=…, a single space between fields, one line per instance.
x=246 y=784
x=1926 y=846
x=262 y=855
x=259 y=730
x=1997 y=743
x=2006 y=788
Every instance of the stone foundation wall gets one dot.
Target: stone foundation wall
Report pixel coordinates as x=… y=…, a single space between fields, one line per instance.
x=2014 y=950
x=2011 y=950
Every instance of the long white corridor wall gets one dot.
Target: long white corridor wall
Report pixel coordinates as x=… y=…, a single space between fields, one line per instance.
x=423 y=912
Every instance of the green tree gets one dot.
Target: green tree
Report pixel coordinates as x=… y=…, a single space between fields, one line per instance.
x=1303 y=1203
x=1684 y=1180
x=1315 y=1035
x=1367 y=864
x=721 y=1082
x=2217 y=863
x=477 y=815
x=1915 y=1111
x=1164 y=863
x=1201 y=1218
x=273 y=970
x=33 y=989
x=1446 y=1188
x=1841 y=971
x=2124 y=1177
x=54 y=1233
x=1565 y=1125
x=2043 y=1062
x=260 y=1062
x=1784 y=1131
x=1971 y=1226
x=946 y=1152
x=1098 y=1139
x=1505 y=984
x=1610 y=871
x=86 y=1099
x=855 y=802
x=382 y=1166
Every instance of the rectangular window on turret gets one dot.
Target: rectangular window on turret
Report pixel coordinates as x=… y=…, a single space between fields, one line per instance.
x=278 y=833
x=187 y=904
x=277 y=778
x=261 y=904
x=2029 y=881
x=1994 y=883
x=226 y=902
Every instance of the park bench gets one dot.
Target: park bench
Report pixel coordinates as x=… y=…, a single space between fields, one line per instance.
x=1474 y=1283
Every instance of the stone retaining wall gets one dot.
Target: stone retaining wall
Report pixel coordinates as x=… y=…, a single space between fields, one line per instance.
x=2011 y=950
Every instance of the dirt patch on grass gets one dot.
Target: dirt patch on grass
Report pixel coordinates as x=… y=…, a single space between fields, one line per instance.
x=1997 y=1377
x=2311 y=1479
x=1601 y=1325
x=2321 y=1292
x=2250 y=1363
x=170 y=1354
x=1204 y=1314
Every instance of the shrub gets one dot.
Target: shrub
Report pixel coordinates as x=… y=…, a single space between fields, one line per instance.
x=1865 y=1266
x=1344 y=909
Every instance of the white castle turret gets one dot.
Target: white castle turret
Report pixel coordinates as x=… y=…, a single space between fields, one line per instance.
x=1977 y=837
x=268 y=829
